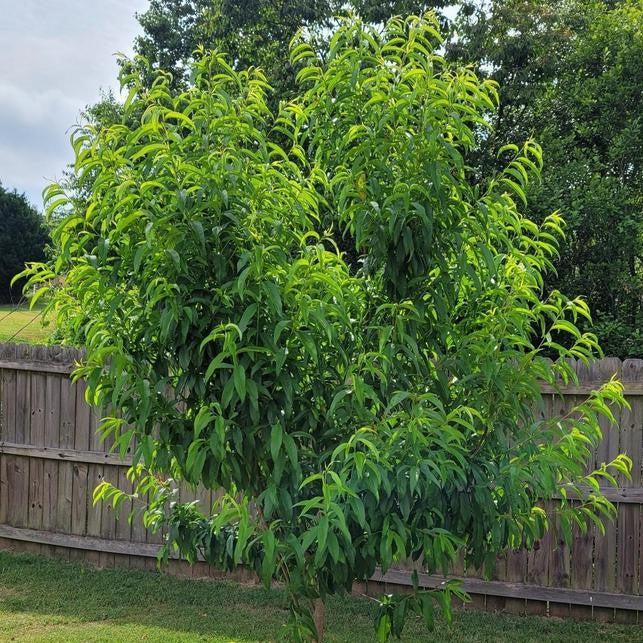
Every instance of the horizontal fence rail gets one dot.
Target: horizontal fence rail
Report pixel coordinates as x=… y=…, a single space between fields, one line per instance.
x=51 y=459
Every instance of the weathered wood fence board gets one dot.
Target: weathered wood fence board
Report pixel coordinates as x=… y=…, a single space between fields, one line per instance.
x=51 y=459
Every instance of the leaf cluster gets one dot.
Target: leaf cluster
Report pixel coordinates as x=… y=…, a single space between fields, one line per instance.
x=351 y=417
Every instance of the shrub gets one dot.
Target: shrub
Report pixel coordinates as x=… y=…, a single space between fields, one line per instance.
x=352 y=415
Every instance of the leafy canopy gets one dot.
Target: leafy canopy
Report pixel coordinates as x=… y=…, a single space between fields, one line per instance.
x=352 y=415
x=579 y=60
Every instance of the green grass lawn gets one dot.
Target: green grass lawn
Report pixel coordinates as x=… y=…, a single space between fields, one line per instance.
x=23 y=325
x=46 y=600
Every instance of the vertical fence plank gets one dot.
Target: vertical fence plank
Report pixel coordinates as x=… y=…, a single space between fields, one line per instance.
x=516 y=573
x=629 y=514
x=582 y=546
x=582 y=565
x=18 y=485
x=17 y=466
x=67 y=440
x=95 y=473
x=37 y=475
x=559 y=567
x=123 y=517
x=8 y=424
x=23 y=395
x=108 y=518
x=538 y=555
x=94 y=512
x=4 y=490
x=8 y=402
x=67 y=427
x=123 y=525
x=52 y=421
x=80 y=499
x=605 y=545
x=638 y=465
x=20 y=481
x=138 y=528
x=560 y=556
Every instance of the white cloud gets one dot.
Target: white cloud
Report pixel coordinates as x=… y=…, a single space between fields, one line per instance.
x=54 y=59
x=19 y=105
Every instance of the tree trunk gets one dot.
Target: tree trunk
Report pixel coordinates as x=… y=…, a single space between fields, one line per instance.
x=319 y=616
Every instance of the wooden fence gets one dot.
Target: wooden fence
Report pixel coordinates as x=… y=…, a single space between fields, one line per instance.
x=51 y=459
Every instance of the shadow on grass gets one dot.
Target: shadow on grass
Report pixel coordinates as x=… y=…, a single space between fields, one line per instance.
x=62 y=601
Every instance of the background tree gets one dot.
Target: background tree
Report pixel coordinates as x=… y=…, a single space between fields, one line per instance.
x=591 y=124
x=23 y=238
x=571 y=74
x=252 y=33
x=350 y=418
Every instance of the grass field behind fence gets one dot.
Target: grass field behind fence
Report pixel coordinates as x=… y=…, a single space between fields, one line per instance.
x=48 y=600
x=19 y=324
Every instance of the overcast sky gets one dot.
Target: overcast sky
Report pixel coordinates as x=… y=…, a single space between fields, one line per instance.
x=55 y=56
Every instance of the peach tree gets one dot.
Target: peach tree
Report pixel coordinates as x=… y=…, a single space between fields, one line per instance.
x=356 y=409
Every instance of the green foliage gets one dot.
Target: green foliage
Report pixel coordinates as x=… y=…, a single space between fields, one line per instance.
x=23 y=238
x=252 y=33
x=571 y=74
x=107 y=111
x=352 y=415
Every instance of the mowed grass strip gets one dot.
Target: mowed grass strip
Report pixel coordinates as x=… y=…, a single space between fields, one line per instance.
x=48 y=600
x=23 y=325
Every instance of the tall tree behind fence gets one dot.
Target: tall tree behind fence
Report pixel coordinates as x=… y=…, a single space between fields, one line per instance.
x=51 y=460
